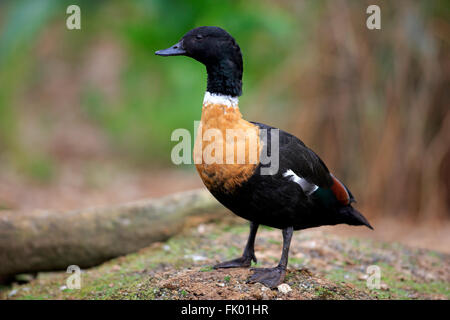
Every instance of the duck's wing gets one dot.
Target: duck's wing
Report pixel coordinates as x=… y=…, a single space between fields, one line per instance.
x=295 y=157
x=299 y=164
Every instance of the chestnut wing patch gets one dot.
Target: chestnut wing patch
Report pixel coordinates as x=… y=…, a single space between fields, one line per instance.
x=340 y=192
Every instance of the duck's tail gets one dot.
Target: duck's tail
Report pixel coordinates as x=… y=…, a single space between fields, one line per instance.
x=353 y=217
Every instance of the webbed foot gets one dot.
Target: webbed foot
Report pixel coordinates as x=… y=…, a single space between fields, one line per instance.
x=242 y=262
x=270 y=277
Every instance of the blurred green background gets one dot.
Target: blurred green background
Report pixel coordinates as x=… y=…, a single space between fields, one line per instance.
x=374 y=104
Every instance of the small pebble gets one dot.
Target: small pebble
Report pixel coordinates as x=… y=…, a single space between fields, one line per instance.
x=201 y=228
x=12 y=293
x=284 y=288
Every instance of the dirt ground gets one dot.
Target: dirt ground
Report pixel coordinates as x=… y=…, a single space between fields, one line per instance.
x=231 y=284
x=321 y=266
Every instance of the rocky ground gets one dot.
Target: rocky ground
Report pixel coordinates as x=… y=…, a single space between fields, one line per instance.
x=321 y=266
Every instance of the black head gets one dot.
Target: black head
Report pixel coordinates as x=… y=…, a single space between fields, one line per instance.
x=218 y=51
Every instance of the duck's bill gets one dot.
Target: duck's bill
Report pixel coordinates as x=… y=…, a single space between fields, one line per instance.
x=175 y=50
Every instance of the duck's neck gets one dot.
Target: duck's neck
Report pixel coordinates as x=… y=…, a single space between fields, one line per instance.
x=225 y=78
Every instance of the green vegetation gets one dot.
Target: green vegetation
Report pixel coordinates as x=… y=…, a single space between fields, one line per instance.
x=324 y=293
x=207 y=268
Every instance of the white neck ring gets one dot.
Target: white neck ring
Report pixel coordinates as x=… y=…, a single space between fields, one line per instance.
x=214 y=98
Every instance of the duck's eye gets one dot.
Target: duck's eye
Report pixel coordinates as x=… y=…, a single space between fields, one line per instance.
x=199 y=37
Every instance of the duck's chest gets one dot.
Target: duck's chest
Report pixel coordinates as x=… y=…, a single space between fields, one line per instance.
x=227 y=148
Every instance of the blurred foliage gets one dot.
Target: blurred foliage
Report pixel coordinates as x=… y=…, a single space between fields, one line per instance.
x=372 y=104
x=155 y=97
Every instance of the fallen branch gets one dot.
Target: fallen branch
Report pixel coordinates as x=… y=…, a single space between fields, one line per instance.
x=55 y=240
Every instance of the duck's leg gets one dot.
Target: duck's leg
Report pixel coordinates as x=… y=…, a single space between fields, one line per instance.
x=272 y=277
x=249 y=252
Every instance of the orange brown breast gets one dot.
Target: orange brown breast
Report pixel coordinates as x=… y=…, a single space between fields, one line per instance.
x=227 y=148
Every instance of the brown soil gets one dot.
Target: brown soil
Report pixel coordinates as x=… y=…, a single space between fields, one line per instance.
x=195 y=284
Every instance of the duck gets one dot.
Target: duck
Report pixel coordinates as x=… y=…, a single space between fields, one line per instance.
x=296 y=193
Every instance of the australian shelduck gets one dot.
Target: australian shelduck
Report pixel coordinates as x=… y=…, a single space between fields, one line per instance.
x=299 y=193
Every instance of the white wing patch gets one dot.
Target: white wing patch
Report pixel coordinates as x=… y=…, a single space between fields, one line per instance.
x=308 y=188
